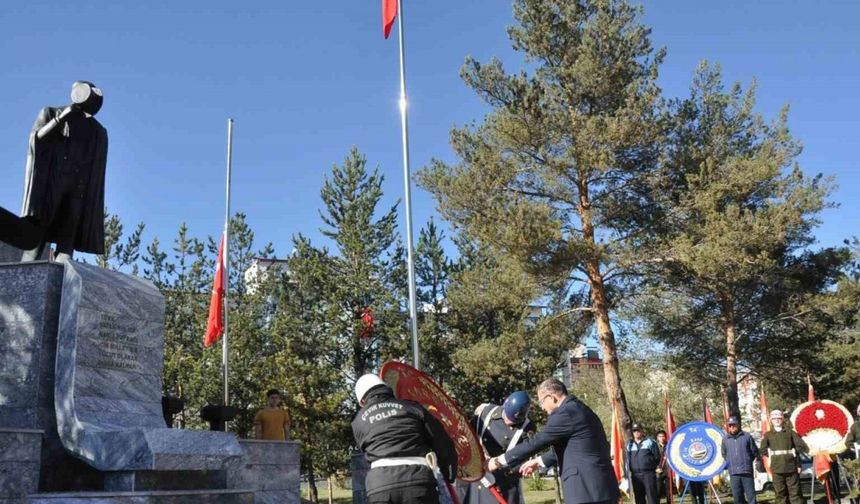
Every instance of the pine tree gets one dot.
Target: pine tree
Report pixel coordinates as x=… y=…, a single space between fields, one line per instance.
x=737 y=283
x=366 y=270
x=557 y=175
x=311 y=356
x=119 y=255
x=432 y=269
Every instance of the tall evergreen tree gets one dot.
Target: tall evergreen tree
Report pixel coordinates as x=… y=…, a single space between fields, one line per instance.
x=366 y=271
x=557 y=175
x=737 y=282
x=432 y=269
x=496 y=340
x=311 y=358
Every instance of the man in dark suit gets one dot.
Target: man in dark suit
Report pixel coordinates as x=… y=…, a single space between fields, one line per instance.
x=579 y=448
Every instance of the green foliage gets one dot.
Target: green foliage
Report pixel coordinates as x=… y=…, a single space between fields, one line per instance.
x=119 y=255
x=645 y=383
x=536 y=483
x=558 y=176
x=852 y=470
x=367 y=269
x=732 y=283
x=185 y=277
x=309 y=352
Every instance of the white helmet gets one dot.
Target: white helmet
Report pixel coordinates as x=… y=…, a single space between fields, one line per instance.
x=365 y=383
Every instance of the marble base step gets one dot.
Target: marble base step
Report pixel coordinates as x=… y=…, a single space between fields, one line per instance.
x=154 y=497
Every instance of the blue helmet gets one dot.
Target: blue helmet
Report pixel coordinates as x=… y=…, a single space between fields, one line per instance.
x=516 y=407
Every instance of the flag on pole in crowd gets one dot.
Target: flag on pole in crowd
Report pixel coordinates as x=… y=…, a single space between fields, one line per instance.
x=616 y=450
x=389 y=14
x=764 y=418
x=390 y=10
x=706 y=412
x=726 y=412
x=674 y=482
x=215 y=323
x=708 y=417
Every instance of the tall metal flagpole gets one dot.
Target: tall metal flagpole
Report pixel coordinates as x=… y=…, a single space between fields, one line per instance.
x=225 y=362
x=413 y=311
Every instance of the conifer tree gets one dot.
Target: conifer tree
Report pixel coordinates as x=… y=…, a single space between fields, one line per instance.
x=737 y=281
x=311 y=363
x=556 y=176
x=432 y=269
x=366 y=270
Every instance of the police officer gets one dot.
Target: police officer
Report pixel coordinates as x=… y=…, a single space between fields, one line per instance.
x=643 y=457
x=499 y=429
x=781 y=445
x=399 y=439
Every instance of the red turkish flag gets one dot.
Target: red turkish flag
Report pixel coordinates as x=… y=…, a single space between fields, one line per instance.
x=673 y=481
x=389 y=13
x=706 y=412
x=616 y=447
x=215 y=324
x=366 y=323
x=764 y=418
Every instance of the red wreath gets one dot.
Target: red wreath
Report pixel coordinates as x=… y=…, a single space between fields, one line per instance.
x=823 y=425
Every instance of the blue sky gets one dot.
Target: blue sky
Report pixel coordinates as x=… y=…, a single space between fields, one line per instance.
x=305 y=81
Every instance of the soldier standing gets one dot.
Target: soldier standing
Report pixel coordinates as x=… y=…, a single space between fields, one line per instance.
x=781 y=445
x=499 y=429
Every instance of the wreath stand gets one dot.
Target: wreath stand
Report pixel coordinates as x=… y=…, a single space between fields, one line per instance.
x=710 y=485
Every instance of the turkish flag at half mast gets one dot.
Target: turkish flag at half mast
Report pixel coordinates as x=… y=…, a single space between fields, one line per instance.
x=215 y=324
x=389 y=13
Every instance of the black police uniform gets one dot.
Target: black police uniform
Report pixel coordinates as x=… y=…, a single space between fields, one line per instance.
x=496 y=438
x=387 y=429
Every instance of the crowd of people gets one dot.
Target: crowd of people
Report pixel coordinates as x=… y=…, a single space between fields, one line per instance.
x=413 y=460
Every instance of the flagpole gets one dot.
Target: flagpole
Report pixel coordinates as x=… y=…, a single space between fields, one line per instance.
x=225 y=363
x=413 y=311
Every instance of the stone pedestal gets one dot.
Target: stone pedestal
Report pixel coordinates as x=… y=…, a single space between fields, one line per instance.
x=29 y=311
x=8 y=253
x=29 y=314
x=152 y=497
x=19 y=464
x=107 y=389
x=81 y=361
x=269 y=468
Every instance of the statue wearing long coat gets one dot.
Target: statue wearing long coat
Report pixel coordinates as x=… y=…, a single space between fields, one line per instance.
x=67 y=165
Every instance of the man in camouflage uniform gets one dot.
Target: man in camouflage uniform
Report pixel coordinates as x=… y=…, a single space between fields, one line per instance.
x=782 y=446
